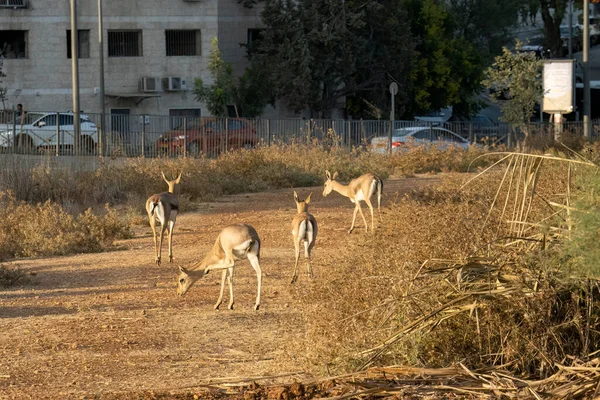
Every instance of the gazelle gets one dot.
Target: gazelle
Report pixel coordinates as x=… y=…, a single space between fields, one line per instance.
x=304 y=230
x=359 y=189
x=163 y=207
x=235 y=242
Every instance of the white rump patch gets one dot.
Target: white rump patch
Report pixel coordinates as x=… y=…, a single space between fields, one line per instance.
x=360 y=196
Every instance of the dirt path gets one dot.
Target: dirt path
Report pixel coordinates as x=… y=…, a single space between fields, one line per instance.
x=92 y=324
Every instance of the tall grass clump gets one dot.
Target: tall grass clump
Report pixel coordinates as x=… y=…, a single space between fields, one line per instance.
x=11 y=276
x=419 y=159
x=130 y=181
x=470 y=274
x=47 y=229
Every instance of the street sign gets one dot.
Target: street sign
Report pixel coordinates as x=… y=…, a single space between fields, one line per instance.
x=394 y=88
x=558 y=87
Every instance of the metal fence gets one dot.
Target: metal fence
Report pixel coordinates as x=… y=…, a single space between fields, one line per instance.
x=117 y=135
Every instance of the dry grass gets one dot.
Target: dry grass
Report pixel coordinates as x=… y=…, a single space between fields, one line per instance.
x=453 y=275
x=47 y=229
x=11 y=276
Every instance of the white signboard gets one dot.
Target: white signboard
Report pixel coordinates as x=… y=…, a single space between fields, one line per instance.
x=558 y=86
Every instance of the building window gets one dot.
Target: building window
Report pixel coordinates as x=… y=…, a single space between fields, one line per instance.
x=13 y=3
x=254 y=38
x=124 y=43
x=183 y=42
x=178 y=114
x=83 y=43
x=13 y=44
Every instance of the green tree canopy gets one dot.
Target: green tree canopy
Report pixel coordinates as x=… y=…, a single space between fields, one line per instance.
x=518 y=74
x=249 y=93
x=322 y=51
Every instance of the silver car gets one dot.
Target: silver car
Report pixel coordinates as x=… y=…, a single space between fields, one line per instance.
x=39 y=130
x=418 y=136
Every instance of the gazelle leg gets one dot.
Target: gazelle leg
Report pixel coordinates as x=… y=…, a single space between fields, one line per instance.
x=368 y=201
x=163 y=228
x=307 y=248
x=363 y=216
x=220 y=300
x=230 y=281
x=153 y=225
x=354 y=218
x=171 y=226
x=295 y=275
x=255 y=262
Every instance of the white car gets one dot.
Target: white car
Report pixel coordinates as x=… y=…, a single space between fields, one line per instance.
x=39 y=131
x=419 y=136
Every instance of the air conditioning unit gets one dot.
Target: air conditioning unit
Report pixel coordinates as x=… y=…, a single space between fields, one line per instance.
x=150 y=84
x=176 y=83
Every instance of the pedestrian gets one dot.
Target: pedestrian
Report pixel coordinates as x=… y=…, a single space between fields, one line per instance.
x=21 y=113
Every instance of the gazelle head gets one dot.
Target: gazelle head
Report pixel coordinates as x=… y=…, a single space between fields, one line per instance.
x=329 y=182
x=186 y=279
x=173 y=182
x=301 y=205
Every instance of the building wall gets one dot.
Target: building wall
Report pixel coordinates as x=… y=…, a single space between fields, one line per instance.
x=43 y=80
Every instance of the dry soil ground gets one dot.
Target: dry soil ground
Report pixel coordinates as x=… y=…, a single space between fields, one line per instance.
x=106 y=324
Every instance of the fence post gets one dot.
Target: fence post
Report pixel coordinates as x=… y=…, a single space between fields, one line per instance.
x=57 y=136
x=144 y=134
x=471 y=132
x=184 y=137
x=269 y=132
x=309 y=131
x=390 y=137
x=14 y=145
x=227 y=135
x=348 y=135
x=363 y=134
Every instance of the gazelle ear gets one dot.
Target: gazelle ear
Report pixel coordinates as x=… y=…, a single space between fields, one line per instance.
x=335 y=174
x=179 y=177
x=182 y=270
x=308 y=198
x=328 y=174
x=295 y=196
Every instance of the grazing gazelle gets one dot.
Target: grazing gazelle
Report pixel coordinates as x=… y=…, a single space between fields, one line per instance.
x=163 y=207
x=359 y=189
x=235 y=242
x=304 y=229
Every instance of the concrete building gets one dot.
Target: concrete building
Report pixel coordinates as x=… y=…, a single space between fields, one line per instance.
x=153 y=51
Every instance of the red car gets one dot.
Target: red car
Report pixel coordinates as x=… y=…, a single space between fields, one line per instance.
x=208 y=136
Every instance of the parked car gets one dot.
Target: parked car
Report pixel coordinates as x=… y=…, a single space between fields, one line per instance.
x=208 y=136
x=418 y=135
x=594 y=26
x=479 y=125
x=39 y=131
x=536 y=45
x=576 y=41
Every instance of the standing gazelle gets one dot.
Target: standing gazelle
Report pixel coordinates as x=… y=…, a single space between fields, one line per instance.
x=359 y=189
x=163 y=207
x=235 y=242
x=304 y=230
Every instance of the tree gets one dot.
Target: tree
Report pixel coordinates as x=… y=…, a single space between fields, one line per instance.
x=221 y=93
x=249 y=94
x=449 y=69
x=486 y=24
x=322 y=51
x=552 y=21
x=519 y=74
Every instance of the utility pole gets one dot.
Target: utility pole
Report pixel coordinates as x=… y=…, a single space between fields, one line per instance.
x=570 y=28
x=75 y=73
x=587 y=109
x=101 y=137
